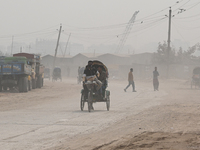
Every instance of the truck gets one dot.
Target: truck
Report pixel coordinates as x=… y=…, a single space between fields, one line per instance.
x=37 y=69
x=14 y=72
x=23 y=71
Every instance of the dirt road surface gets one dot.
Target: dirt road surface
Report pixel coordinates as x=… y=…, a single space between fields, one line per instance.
x=50 y=118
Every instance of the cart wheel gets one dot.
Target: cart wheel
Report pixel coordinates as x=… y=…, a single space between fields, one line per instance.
x=108 y=103
x=82 y=102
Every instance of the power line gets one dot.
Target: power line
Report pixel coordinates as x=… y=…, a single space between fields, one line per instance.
x=28 y=33
x=177 y=30
x=182 y=5
x=194 y=6
x=197 y=15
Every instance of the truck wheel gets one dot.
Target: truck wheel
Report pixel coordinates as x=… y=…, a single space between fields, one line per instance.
x=25 y=84
x=33 y=84
x=39 y=83
x=5 y=88
x=20 y=85
x=29 y=85
x=10 y=88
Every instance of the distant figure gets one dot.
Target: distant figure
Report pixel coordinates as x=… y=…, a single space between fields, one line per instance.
x=79 y=70
x=155 y=79
x=130 y=80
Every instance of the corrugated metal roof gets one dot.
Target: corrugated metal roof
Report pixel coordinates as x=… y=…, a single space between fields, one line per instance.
x=66 y=56
x=91 y=55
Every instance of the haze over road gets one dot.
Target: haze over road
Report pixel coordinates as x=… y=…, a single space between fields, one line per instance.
x=44 y=118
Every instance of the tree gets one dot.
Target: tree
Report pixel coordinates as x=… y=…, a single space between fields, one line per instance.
x=162 y=56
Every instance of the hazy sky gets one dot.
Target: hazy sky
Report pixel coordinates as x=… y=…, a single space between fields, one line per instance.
x=98 y=21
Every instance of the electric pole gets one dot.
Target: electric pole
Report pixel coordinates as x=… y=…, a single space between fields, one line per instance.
x=169 y=41
x=66 y=45
x=12 y=45
x=57 y=46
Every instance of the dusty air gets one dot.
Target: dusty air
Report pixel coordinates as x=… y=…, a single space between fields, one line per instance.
x=100 y=75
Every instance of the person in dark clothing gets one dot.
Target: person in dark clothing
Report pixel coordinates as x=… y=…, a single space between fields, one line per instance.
x=130 y=80
x=89 y=70
x=90 y=74
x=103 y=78
x=155 y=79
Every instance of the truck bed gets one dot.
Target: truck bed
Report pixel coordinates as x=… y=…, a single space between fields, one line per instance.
x=14 y=68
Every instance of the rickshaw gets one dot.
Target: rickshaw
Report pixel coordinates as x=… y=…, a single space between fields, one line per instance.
x=93 y=95
x=195 y=78
x=56 y=74
x=47 y=73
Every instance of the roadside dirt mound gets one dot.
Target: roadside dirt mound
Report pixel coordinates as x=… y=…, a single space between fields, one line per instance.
x=157 y=140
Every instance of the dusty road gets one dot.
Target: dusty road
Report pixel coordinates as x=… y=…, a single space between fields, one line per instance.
x=50 y=118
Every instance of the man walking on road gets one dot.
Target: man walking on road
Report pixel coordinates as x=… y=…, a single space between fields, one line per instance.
x=130 y=80
x=155 y=79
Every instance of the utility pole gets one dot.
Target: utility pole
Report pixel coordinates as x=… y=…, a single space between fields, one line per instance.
x=12 y=45
x=57 y=46
x=169 y=41
x=66 y=45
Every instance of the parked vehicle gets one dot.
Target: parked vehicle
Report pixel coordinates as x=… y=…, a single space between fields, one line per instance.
x=37 y=69
x=15 y=73
x=56 y=74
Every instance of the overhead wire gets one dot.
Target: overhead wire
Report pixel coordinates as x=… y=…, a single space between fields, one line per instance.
x=193 y=6
x=177 y=30
x=28 y=33
x=148 y=18
x=185 y=9
x=182 y=6
x=197 y=15
x=145 y=19
x=100 y=36
x=115 y=36
x=148 y=27
x=148 y=22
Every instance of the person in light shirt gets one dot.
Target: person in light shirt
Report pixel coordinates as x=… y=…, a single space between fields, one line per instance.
x=130 y=81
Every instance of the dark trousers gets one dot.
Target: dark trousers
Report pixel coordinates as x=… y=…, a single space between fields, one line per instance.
x=131 y=83
x=155 y=83
x=85 y=91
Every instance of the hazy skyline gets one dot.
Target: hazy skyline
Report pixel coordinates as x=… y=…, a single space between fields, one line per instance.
x=98 y=21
